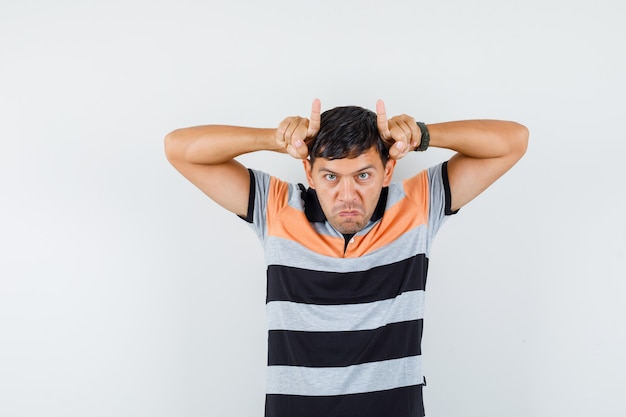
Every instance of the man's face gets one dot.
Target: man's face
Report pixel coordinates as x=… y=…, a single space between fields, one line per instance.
x=348 y=189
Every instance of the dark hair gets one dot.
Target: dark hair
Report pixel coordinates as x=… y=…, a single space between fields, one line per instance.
x=347 y=132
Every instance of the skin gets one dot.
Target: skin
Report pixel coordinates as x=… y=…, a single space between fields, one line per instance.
x=485 y=150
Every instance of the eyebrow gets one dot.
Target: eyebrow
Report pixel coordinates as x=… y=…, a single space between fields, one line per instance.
x=365 y=168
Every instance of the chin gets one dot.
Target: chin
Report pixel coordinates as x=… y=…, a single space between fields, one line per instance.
x=348 y=229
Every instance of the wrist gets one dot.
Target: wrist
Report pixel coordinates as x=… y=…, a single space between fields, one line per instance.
x=424 y=137
x=266 y=140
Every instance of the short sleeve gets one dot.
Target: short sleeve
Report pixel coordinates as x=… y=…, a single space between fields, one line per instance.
x=257 y=202
x=440 y=199
x=268 y=197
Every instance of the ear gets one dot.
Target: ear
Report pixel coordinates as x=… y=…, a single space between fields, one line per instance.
x=389 y=167
x=308 y=171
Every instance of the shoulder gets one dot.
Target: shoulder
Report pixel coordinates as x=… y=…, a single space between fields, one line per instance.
x=275 y=190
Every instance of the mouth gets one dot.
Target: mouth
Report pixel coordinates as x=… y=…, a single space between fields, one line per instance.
x=349 y=213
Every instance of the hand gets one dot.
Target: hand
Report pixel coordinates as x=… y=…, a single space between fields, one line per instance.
x=293 y=133
x=401 y=132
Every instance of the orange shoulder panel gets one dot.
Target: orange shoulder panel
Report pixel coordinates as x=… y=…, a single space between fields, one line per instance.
x=294 y=226
x=416 y=189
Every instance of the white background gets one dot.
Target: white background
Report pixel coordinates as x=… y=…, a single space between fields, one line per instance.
x=126 y=292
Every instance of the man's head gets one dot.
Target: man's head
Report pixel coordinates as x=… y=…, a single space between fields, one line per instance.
x=348 y=166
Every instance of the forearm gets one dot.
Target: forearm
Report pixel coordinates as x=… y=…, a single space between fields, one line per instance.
x=217 y=144
x=480 y=139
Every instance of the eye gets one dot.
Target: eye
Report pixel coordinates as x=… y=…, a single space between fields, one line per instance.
x=364 y=175
x=330 y=177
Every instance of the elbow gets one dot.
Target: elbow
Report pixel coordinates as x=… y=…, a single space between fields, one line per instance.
x=520 y=139
x=171 y=146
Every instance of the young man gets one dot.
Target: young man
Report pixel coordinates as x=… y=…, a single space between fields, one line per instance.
x=346 y=257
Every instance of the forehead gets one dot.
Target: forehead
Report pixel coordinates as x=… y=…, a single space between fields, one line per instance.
x=367 y=160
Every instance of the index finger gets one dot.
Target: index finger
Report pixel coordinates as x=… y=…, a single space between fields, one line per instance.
x=314 y=121
x=381 y=119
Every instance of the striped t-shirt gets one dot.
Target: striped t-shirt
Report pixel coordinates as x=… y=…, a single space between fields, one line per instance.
x=345 y=320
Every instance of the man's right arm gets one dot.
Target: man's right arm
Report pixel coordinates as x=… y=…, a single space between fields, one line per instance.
x=205 y=155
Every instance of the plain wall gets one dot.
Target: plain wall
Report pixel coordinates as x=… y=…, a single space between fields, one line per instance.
x=124 y=291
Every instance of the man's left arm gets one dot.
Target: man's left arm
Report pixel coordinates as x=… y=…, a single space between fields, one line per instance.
x=485 y=149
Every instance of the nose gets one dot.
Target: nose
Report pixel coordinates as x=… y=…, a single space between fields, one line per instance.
x=347 y=192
